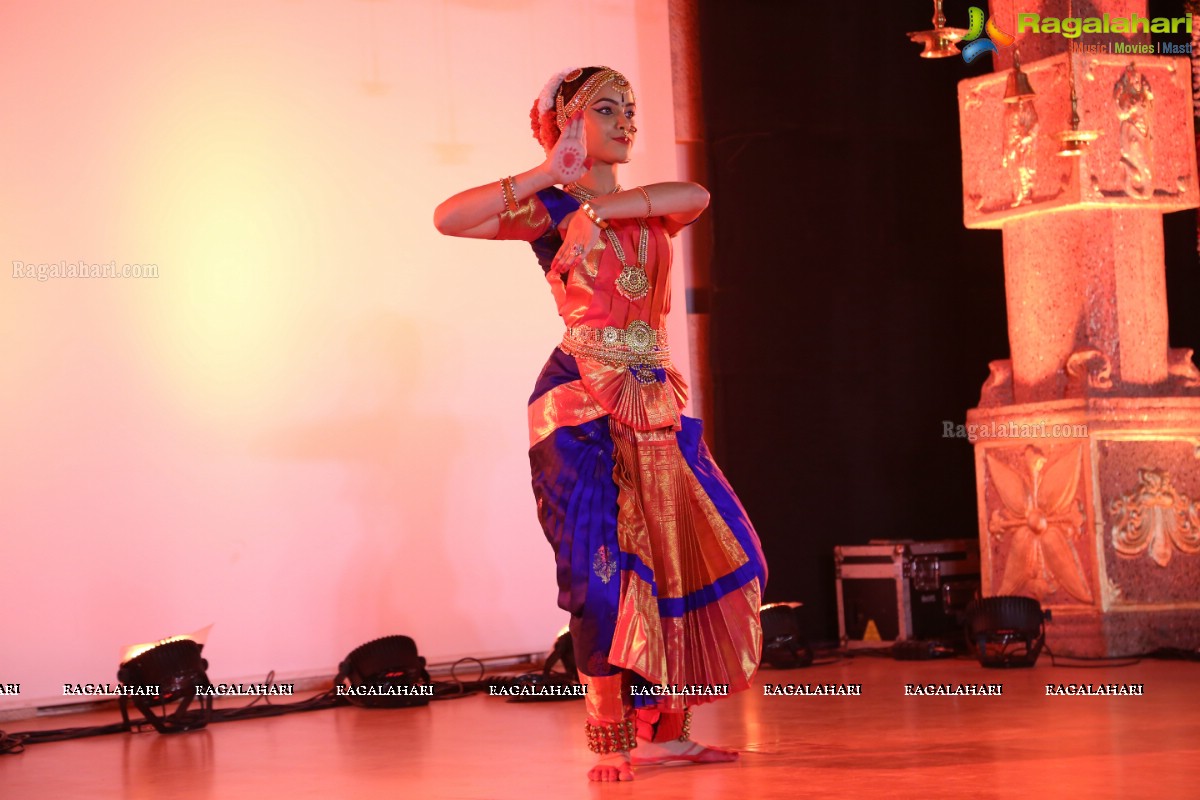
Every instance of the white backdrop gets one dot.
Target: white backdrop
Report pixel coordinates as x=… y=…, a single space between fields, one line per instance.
x=309 y=428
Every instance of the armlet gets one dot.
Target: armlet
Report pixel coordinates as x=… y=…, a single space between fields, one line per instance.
x=527 y=223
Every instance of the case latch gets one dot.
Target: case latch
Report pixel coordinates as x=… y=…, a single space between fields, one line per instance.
x=925 y=572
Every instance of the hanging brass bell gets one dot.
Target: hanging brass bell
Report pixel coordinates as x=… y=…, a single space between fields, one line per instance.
x=1018 y=87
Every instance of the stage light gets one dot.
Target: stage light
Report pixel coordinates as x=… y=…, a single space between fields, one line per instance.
x=384 y=673
x=784 y=646
x=563 y=652
x=1006 y=631
x=548 y=685
x=157 y=675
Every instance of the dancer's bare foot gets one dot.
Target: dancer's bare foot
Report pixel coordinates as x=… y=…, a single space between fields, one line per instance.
x=679 y=753
x=612 y=767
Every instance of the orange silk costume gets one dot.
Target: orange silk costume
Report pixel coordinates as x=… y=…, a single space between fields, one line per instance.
x=658 y=563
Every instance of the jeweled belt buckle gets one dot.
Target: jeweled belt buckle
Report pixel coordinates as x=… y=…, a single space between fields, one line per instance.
x=639 y=337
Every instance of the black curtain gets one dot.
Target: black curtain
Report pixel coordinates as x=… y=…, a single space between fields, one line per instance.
x=852 y=313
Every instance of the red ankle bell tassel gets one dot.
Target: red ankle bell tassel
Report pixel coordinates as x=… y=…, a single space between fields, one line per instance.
x=663 y=726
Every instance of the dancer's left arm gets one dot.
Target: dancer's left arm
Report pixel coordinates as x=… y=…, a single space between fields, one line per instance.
x=678 y=202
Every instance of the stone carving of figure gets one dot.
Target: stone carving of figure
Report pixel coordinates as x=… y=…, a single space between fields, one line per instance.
x=1134 y=101
x=1021 y=125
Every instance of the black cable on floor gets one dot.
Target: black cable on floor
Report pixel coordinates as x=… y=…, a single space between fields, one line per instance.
x=1093 y=662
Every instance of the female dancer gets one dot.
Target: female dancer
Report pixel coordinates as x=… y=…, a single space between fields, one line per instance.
x=658 y=563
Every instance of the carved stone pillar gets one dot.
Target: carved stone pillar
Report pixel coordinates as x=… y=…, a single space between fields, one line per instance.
x=1087 y=440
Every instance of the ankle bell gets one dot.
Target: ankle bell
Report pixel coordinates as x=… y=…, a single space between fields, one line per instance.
x=612 y=738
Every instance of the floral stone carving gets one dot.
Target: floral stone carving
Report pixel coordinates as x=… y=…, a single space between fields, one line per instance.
x=1155 y=519
x=1041 y=515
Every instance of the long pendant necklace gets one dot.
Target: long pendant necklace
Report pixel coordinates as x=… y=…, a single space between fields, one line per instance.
x=632 y=283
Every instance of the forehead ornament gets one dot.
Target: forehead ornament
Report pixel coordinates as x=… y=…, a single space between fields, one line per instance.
x=591 y=87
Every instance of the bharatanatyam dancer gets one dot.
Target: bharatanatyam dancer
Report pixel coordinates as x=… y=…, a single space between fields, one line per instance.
x=658 y=564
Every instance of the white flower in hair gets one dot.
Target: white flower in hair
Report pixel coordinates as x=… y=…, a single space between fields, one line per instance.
x=546 y=98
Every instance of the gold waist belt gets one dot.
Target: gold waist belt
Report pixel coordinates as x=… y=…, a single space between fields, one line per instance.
x=637 y=344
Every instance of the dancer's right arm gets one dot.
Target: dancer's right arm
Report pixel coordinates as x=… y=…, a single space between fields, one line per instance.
x=476 y=212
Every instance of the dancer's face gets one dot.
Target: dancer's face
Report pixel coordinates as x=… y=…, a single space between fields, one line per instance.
x=608 y=126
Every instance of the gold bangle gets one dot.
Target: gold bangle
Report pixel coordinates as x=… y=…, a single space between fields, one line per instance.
x=645 y=194
x=586 y=208
x=508 y=188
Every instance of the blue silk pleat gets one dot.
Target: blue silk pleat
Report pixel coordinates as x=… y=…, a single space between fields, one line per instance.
x=577 y=502
x=559 y=204
x=560 y=369
x=712 y=480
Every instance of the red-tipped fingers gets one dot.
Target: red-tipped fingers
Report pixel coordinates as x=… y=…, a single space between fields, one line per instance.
x=559 y=265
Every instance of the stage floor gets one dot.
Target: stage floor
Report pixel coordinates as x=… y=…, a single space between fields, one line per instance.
x=1021 y=744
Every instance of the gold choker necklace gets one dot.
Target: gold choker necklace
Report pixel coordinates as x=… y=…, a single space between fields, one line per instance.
x=583 y=194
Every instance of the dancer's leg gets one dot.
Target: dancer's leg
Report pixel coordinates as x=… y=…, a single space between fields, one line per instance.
x=610 y=727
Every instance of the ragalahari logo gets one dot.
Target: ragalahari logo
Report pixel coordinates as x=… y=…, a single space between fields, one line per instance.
x=979 y=46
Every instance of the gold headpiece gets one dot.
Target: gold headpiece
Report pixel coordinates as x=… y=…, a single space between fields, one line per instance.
x=591 y=87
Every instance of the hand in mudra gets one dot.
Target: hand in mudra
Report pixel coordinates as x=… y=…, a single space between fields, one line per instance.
x=568 y=160
x=578 y=240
